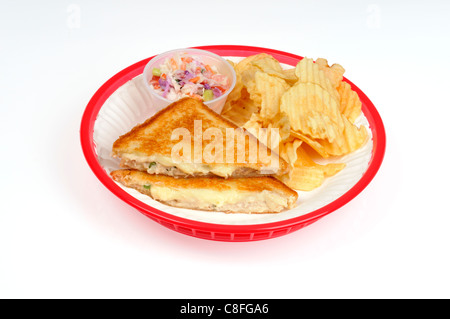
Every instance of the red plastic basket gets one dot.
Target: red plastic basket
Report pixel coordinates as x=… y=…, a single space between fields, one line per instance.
x=218 y=231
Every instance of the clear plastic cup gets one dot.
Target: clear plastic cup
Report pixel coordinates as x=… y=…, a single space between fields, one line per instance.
x=223 y=67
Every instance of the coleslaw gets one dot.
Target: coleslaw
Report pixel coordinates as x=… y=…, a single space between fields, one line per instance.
x=187 y=76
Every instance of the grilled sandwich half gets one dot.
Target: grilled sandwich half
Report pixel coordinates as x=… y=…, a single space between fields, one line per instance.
x=233 y=195
x=188 y=124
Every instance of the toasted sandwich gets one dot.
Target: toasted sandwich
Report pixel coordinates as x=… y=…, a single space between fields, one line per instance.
x=188 y=139
x=263 y=194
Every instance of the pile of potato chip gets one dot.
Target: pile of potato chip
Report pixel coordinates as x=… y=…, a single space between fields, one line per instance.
x=312 y=107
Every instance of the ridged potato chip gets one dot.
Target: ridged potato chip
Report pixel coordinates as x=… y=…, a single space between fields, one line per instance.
x=351 y=139
x=271 y=66
x=328 y=169
x=307 y=175
x=247 y=72
x=267 y=64
x=246 y=63
x=248 y=79
x=312 y=111
x=270 y=88
x=310 y=105
x=332 y=169
x=240 y=111
x=334 y=73
x=231 y=62
x=234 y=95
x=300 y=177
x=281 y=122
x=350 y=102
x=288 y=150
x=289 y=76
x=304 y=178
x=309 y=72
x=254 y=123
x=314 y=144
x=269 y=136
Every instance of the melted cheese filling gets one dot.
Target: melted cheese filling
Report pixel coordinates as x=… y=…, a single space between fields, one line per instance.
x=264 y=201
x=222 y=170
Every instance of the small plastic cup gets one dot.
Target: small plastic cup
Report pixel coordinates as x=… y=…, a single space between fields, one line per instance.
x=223 y=67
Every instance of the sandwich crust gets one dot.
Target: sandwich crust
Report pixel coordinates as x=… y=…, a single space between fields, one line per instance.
x=146 y=183
x=154 y=137
x=244 y=184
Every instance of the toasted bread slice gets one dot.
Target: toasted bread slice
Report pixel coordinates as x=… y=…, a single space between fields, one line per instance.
x=185 y=139
x=264 y=194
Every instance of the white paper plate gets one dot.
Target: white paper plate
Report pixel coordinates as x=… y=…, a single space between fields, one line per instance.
x=130 y=105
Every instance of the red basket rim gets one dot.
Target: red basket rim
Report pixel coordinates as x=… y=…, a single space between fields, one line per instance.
x=87 y=143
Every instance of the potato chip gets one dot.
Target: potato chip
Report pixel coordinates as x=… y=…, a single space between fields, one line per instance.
x=272 y=67
x=288 y=151
x=235 y=94
x=300 y=177
x=240 y=111
x=281 y=122
x=304 y=178
x=266 y=135
x=332 y=169
x=246 y=63
x=309 y=72
x=307 y=175
x=231 y=62
x=248 y=80
x=289 y=76
x=351 y=139
x=350 y=102
x=315 y=145
x=267 y=64
x=270 y=88
x=247 y=72
x=334 y=73
x=254 y=123
x=329 y=169
x=311 y=107
x=278 y=125
x=312 y=111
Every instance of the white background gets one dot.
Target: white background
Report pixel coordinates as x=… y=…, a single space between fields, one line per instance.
x=64 y=235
